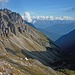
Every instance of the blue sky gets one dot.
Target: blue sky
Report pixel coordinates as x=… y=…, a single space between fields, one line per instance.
x=42 y=7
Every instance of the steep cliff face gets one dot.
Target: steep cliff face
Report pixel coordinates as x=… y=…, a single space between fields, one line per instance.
x=23 y=49
x=8 y=20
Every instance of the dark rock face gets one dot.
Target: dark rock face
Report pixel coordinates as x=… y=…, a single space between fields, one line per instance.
x=12 y=22
x=15 y=17
x=8 y=20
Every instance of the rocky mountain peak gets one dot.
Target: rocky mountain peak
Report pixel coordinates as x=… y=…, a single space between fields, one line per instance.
x=13 y=16
x=8 y=21
x=7 y=11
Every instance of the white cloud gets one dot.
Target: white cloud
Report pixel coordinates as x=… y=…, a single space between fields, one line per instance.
x=67 y=18
x=52 y=18
x=27 y=17
x=32 y=19
x=22 y=17
x=2 y=2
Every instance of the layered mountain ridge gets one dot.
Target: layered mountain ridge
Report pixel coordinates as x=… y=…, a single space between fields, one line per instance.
x=54 y=29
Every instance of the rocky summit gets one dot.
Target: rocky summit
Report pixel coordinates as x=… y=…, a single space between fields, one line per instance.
x=24 y=50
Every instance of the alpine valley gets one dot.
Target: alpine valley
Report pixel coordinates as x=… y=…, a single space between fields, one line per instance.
x=26 y=51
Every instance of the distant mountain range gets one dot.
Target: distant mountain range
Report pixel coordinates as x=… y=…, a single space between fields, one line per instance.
x=55 y=28
x=61 y=28
x=50 y=35
x=47 y=23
